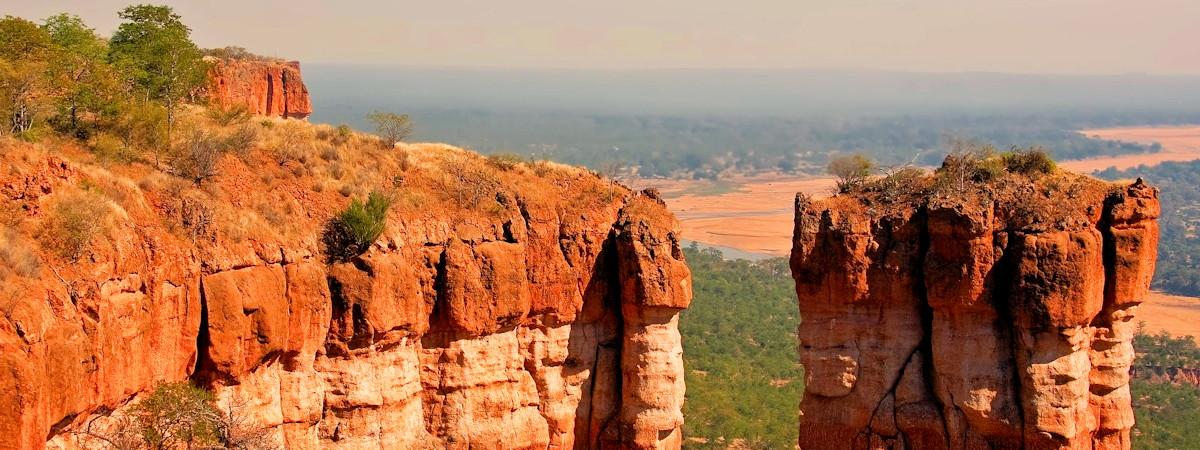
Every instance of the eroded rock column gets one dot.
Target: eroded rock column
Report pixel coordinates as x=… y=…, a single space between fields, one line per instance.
x=1000 y=319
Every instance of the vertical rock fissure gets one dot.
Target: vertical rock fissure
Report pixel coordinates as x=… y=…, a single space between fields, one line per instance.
x=203 y=340
x=928 y=375
x=283 y=81
x=591 y=401
x=270 y=94
x=1005 y=272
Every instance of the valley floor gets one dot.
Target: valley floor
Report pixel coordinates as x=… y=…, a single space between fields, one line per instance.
x=1177 y=315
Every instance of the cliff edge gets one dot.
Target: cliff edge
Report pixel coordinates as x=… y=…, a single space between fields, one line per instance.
x=508 y=305
x=264 y=87
x=940 y=311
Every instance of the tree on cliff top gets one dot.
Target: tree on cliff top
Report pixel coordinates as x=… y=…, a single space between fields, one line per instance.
x=851 y=170
x=84 y=84
x=391 y=127
x=155 y=51
x=24 y=51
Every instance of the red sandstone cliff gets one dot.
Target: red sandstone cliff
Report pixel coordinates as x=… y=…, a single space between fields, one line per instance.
x=506 y=307
x=996 y=318
x=264 y=87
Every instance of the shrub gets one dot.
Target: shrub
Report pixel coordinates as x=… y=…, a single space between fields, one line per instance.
x=851 y=171
x=111 y=148
x=330 y=153
x=242 y=139
x=342 y=134
x=198 y=157
x=969 y=163
x=898 y=182
x=234 y=52
x=177 y=415
x=352 y=231
x=505 y=161
x=73 y=223
x=233 y=115
x=1030 y=161
x=391 y=127
x=293 y=140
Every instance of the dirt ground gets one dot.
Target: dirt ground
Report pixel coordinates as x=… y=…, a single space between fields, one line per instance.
x=1177 y=315
x=753 y=214
x=1179 y=144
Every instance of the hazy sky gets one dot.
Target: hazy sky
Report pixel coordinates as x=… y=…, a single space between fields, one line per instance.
x=1030 y=36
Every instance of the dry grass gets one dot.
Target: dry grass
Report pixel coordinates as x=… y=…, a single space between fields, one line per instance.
x=75 y=221
x=17 y=255
x=287 y=179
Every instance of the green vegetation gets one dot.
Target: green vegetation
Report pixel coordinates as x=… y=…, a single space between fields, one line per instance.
x=1162 y=350
x=744 y=379
x=1166 y=413
x=1179 y=224
x=1031 y=161
x=352 y=231
x=154 y=49
x=235 y=115
x=116 y=96
x=390 y=127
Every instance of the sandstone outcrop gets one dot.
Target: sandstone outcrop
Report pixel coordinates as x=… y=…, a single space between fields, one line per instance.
x=265 y=87
x=506 y=307
x=999 y=317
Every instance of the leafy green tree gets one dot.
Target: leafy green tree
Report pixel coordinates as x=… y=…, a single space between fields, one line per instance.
x=153 y=48
x=24 y=51
x=391 y=127
x=84 y=84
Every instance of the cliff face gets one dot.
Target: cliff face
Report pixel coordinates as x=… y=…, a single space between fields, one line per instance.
x=506 y=307
x=264 y=87
x=999 y=320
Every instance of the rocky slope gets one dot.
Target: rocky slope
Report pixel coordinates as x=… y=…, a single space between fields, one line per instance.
x=265 y=87
x=997 y=317
x=507 y=306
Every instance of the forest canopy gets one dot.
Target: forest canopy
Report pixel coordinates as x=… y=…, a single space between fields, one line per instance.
x=118 y=94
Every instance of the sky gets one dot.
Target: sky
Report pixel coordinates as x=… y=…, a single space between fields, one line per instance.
x=1012 y=36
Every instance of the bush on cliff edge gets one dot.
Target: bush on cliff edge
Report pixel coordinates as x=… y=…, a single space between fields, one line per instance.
x=352 y=231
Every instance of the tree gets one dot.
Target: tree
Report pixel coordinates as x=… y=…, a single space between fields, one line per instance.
x=177 y=415
x=84 y=83
x=153 y=48
x=391 y=127
x=237 y=430
x=851 y=170
x=24 y=51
